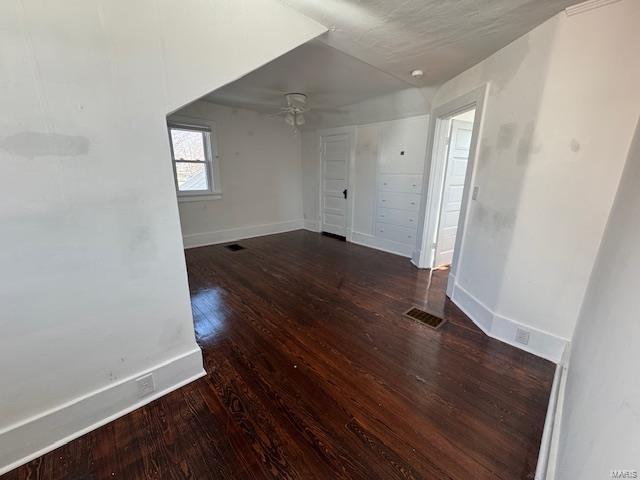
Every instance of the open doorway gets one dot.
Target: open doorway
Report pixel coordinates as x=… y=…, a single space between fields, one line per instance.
x=454 y=131
x=455 y=156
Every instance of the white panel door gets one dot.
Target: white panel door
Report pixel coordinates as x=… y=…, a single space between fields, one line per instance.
x=457 y=158
x=336 y=150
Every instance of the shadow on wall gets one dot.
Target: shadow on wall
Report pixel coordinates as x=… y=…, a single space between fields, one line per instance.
x=508 y=146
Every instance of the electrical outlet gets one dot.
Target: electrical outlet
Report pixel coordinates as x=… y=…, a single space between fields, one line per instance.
x=146 y=385
x=476 y=190
x=522 y=336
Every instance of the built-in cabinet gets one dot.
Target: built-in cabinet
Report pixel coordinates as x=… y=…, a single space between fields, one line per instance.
x=399 y=182
x=397 y=208
x=385 y=182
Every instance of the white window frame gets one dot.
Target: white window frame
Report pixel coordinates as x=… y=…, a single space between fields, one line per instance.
x=211 y=165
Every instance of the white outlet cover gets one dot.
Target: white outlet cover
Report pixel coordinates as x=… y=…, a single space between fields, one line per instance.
x=522 y=336
x=146 y=385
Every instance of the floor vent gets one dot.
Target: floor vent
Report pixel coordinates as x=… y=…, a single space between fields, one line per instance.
x=234 y=247
x=425 y=318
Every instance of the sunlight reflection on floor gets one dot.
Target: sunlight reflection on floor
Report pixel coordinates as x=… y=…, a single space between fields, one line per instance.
x=209 y=312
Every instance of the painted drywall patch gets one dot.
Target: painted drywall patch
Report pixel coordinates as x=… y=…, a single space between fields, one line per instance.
x=37 y=144
x=486 y=152
x=493 y=220
x=526 y=146
x=574 y=146
x=506 y=136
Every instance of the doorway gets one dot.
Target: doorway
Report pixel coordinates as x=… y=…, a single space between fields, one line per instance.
x=456 y=158
x=336 y=146
x=454 y=130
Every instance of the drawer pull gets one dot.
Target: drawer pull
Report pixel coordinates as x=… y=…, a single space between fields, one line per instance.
x=413 y=185
x=413 y=203
x=411 y=219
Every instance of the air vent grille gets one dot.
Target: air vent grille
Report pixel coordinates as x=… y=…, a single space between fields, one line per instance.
x=423 y=317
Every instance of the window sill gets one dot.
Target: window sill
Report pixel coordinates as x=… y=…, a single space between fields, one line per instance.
x=204 y=197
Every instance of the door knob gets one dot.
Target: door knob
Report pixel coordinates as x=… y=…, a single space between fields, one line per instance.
x=344 y=192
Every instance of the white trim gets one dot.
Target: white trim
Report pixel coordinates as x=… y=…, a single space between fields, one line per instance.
x=546 y=456
x=233 y=234
x=477 y=311
x=350 y=130
x=541 y=343
x=206 y=197
x=213 y=157
x=554 y=447
x=35 y=436
x=389 y=246
x=451 y=281
x=473 y=99
x=587 y=6
x=312 y=225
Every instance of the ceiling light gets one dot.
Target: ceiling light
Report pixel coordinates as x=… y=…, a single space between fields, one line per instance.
x=417 y=73
x=300 y=120
x=290 y=119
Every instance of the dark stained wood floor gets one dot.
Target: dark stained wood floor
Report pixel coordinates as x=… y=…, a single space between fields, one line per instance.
x=314 y=373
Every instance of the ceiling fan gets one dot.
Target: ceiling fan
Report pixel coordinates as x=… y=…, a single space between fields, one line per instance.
x=294 y=110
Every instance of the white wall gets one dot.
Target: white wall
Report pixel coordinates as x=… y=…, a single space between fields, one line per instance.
x=367 y=152
x=377 y=152
x=260 y=174
x=94 y=288
x=310 y=158
x=563 y=103
x=601 y=415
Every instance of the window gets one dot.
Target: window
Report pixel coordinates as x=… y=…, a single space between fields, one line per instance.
x=193 y=167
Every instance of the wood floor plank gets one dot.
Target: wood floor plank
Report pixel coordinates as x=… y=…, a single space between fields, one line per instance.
x=313 y=372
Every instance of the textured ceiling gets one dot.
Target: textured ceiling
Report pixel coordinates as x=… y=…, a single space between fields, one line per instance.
x=441 y=37
x=359 y=71
x=332 y=80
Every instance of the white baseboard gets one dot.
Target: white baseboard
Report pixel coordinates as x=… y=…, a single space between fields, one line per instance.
x=548 y=456
x=312 y=225
x=477 y=311
x=31 y=438
x=389 y=246
x=451 y=281
x=541 y=343
x=233 y=234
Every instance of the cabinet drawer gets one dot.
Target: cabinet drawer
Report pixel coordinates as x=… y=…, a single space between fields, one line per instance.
x=402 y=218
x=400 y=183
x=402 y=201
x=396 y=233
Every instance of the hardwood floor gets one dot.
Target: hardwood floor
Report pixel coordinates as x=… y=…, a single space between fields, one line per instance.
x=314 y=373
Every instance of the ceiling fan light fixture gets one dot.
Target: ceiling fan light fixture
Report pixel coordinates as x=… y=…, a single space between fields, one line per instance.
x=296 y=100
x=300 y=120
x=290 y=119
